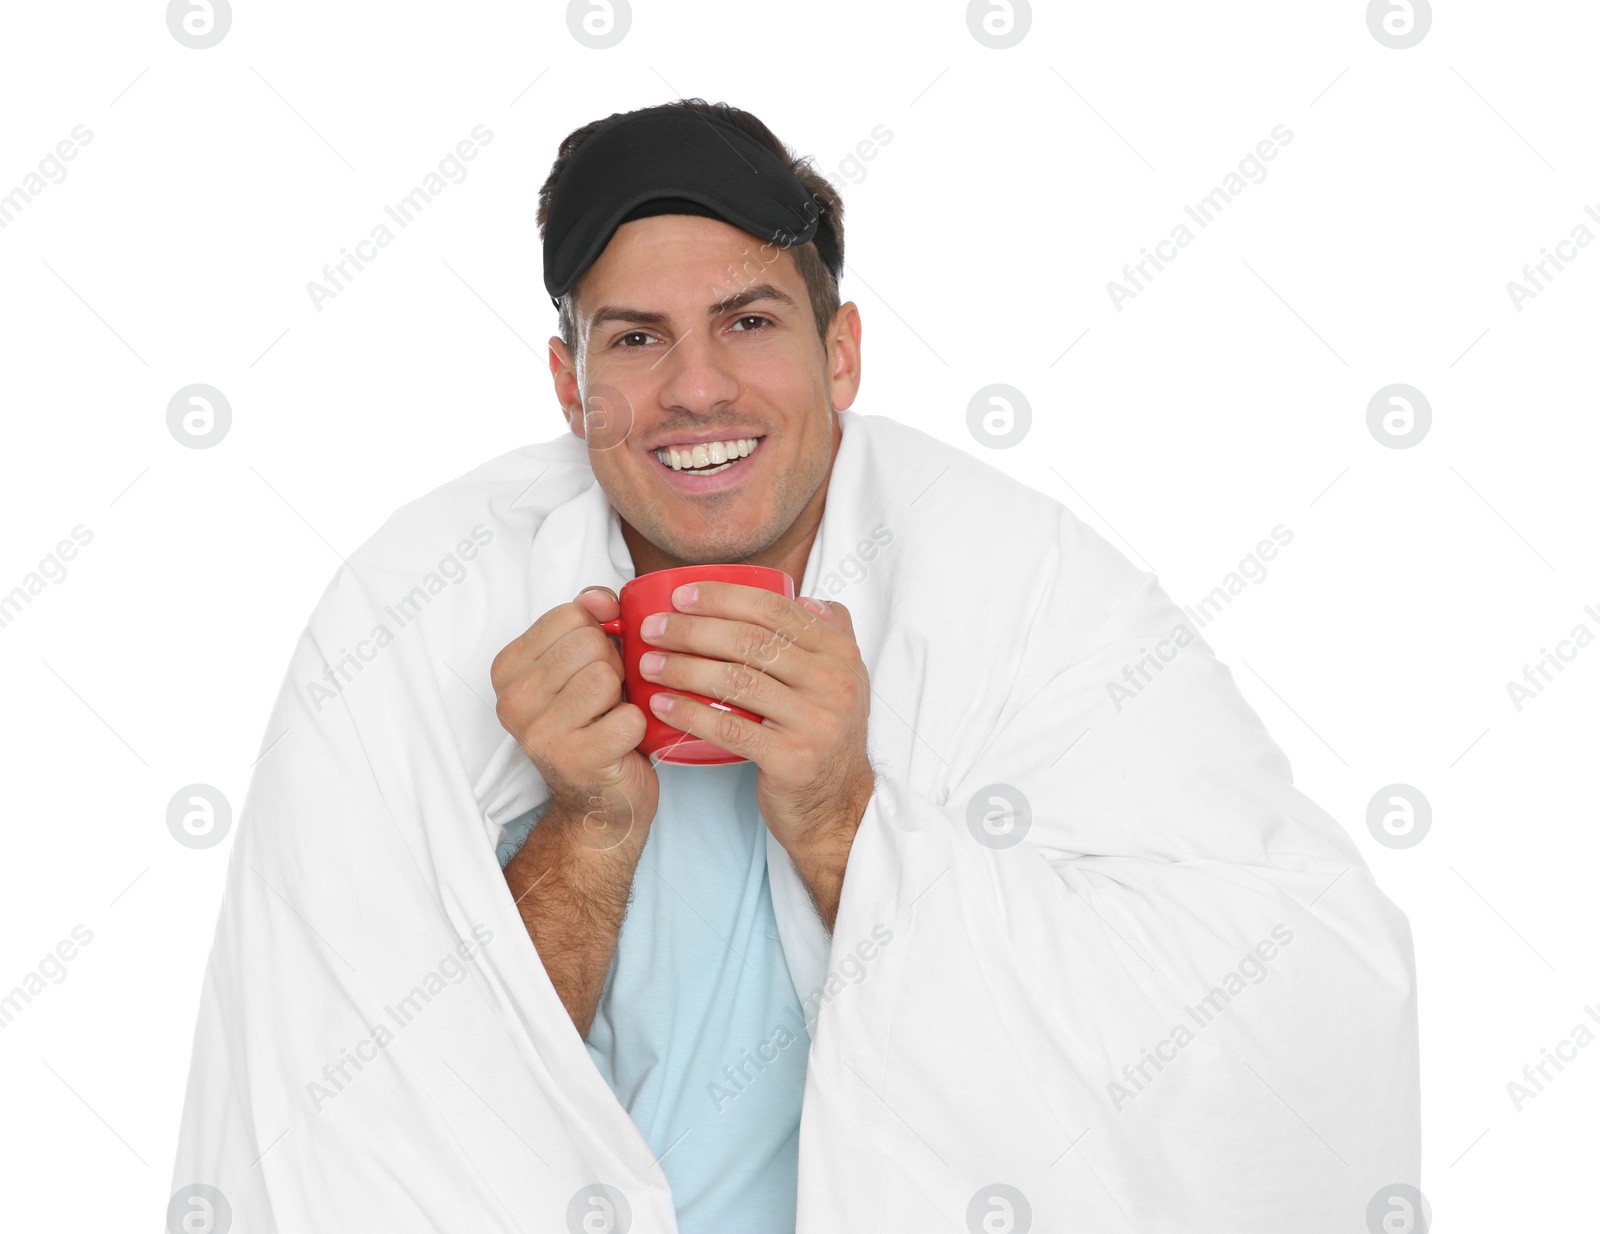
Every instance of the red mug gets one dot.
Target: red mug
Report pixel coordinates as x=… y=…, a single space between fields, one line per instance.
x=652 y=593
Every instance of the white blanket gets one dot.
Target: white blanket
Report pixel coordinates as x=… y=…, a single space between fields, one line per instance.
x=1158 y=991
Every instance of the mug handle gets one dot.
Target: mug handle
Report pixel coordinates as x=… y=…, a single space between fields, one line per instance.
x=614 y=626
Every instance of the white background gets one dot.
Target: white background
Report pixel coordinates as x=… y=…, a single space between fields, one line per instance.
x=1228 y=397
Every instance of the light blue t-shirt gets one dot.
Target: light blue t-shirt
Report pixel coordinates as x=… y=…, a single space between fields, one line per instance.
x=699 y=1031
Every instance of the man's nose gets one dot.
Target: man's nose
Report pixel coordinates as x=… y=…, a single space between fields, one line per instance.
x=696 y=374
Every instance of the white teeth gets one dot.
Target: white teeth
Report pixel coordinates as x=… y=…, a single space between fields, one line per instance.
x=709 y=454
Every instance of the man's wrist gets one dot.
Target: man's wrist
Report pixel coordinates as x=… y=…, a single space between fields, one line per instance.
x=592 y=864
x=822 y=856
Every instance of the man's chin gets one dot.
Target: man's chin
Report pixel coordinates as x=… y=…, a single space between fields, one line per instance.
x=716 y=555
x=713 y=550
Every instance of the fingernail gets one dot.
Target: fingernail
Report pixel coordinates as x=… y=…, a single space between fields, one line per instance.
x=686 y=595
x=661 y=702
x=650 y=663
x=653 y=625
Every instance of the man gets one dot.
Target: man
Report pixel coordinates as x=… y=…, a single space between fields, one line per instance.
x=1011 y=918
x=698 y=337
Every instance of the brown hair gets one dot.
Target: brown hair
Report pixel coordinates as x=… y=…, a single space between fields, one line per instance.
x=822 y=289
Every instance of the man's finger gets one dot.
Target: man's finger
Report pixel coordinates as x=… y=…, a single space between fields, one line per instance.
x=829 y=610
x=550 y=628
x=601 y=603
x=753 y=605
x=722 y=728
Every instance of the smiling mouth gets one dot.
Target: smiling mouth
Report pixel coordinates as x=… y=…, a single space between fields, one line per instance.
x=709 y=458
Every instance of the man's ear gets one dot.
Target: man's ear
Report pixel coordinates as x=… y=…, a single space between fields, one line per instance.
x=844 y=356
x=564 y=375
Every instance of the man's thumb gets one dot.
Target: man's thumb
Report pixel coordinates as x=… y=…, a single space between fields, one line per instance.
x=605 y=602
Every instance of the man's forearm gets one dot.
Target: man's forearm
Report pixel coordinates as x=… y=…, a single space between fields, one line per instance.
x=821 y=860
x=572 y=898
x=821 y=868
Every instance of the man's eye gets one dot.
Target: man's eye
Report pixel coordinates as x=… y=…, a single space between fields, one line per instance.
x=752 y=317
x=623 y=341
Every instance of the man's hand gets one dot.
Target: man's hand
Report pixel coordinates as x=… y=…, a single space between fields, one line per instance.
x=799 y=669
x=558 y=689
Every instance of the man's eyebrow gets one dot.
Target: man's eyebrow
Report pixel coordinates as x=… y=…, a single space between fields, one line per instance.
x=632 y=316
x=613 y=313
x=750 y=295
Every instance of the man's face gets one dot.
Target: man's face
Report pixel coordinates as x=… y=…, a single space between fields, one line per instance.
x=691 y=330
